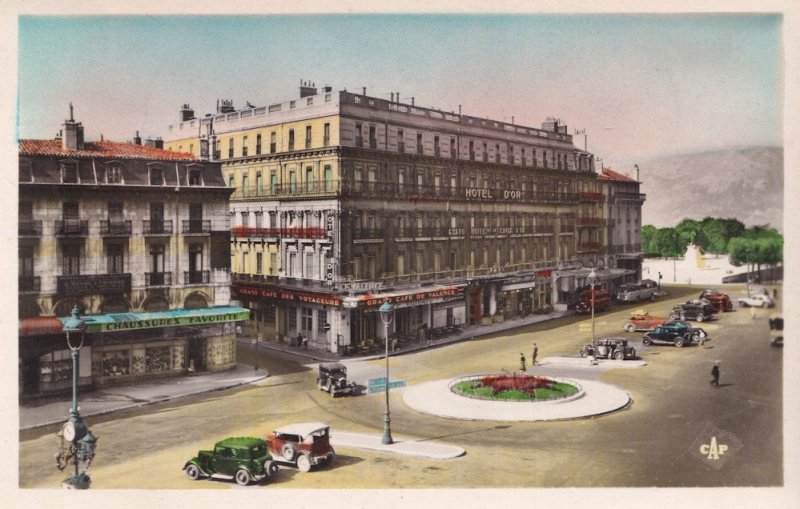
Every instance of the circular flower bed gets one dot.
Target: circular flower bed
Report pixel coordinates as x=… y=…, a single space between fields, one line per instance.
x=514 y=388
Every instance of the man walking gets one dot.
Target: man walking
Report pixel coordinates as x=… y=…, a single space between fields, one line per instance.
x=522 y=362
x=715 y=374
x=534 y=355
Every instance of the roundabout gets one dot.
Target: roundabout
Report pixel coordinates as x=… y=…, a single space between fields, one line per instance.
x=437 y=398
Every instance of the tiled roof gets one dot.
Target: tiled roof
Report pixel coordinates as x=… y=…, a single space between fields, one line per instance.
x=109 y=149
x=609 y=174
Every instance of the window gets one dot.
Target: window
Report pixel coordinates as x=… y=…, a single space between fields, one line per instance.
x=401 y=145
x=25 y=171
x=326 y=135
x=245 y=219
x=308 y=136
x=273 y=182
x=259 y=183
x=308 y=265
x=292 y=182
x=373 y=140
x=71 y=260
x=195 y=177
x=419 y=143
x=244 y=146
x=471 y=150
x=272 y=143
x=156 y=177
x=436 y=146
x=359 y=136
x=69 y=173
x=291 y=139
x=195 y=217
x=259 y=219
x=231 y=180
x=195 y=263
x=510 y=154
x=25 y=267
x=309 y=178
x=258 y=144
x=114 y=174
x=485 y=152
x=259 y=261
x=292 y=318
x=328 y=171
x=322 y=320
x=230 y=147
x=115 y=259
x=524 y=162
x=156 y=262
x=245 y=184
x=273 y=264
x=496 y=152
x=453 y=152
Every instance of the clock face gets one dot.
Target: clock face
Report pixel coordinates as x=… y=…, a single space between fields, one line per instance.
x=68 y=431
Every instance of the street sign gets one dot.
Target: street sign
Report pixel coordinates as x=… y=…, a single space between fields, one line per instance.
x=377 y=381
x=326 y=327
x=382 y=387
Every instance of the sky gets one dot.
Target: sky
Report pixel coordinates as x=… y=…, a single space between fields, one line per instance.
x=641 y=85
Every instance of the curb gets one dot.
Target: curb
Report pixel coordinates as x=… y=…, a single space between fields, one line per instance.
x=406 y=447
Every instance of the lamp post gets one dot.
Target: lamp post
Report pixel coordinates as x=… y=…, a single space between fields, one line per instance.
x=387 y=314
x=592 y=279
x=82 y=443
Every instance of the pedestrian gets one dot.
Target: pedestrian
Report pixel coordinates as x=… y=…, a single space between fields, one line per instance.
x=774 y=294
x=299 y=340
x=522 y=363
x=715 y=374
x=752 y=312
x=535 y=355
x=702 y=339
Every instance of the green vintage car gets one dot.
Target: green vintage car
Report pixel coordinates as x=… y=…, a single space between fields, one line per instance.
x=245 y=459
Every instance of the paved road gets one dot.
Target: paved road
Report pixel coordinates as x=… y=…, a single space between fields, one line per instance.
x=651 y=443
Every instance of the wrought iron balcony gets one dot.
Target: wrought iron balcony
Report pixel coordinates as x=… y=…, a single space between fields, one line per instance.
x=197 y=226
x=30 y=228
x=312 y=232
x=157 y=278
x=29 y=283
x=72 y=228
x=112 y=227
x=198 y=277
x=157 y=227
x=590 y=196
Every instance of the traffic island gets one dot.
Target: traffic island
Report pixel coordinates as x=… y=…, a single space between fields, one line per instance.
x=439 y=399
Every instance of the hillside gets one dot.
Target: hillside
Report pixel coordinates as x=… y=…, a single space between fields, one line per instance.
x=745 y=183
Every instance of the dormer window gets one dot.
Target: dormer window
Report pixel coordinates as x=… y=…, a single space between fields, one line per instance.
x=195 y=177
x=69 y=173
x=114 y=174
x=25 y=171
x=156 y=177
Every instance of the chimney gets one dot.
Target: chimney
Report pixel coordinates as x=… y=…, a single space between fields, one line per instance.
x=187 y=113
x=327 y=89
x=459 y=110
x=101 y=137
x=225 y=106
x=307 y=89
x=636 y=166
x=392 y=96
x=136 y=139
x=412 y=101
x=73 y=133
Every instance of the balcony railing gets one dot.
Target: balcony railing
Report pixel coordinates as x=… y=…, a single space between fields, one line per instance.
x=198 y=277
x=72 y=227
x=157 y=227
x=29 y=283
x=591 y=221
x=590 y=196
x=238 y=277
x=30 y=228
x=115 y=227
x=301 y=233
x=157 y=278
x=196 y=226
x=629 y=196
x=588 y=246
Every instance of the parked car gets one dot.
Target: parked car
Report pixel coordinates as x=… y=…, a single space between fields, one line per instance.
x=609 y=348
x=641 y=320
x=776 y=330
x=637 y=292
x=302 y=445
x=602 y=298
x=721 y=301
x=676 y=333
x=697 y=310
x=244 y=459
x=333 y=379
x=758 y=301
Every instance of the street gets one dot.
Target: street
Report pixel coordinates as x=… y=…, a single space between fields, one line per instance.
x=652 y=442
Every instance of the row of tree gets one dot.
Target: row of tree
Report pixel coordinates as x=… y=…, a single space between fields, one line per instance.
x=752 y=246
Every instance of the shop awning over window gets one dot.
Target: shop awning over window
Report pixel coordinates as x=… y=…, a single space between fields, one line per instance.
x=172 y=318
x=40 y=325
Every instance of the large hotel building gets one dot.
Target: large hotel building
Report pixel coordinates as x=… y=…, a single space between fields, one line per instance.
x=343 y=201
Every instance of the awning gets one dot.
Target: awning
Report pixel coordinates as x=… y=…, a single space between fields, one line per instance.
x=40 y=325
x=407 y=298
x=173 y=318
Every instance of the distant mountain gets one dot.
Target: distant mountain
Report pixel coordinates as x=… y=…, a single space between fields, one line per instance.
x=745 y=183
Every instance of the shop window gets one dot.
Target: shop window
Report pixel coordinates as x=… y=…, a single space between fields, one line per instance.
x=322 y=319
x=268 y=315
x=55 y=367
x=292 y=318
x=157 y=359
x=116 y=363
x=306 y=319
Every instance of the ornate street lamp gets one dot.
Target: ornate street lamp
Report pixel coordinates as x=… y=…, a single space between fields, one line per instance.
x=82 y=443
x=387 y=314
x=592 y=280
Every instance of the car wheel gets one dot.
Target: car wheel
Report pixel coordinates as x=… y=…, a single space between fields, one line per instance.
x=288 y=451
x=329 y=458
x=270 y=468
x=699 y=318
x=678 y=342
x=646 y=341
x=584 y=354
x=303 y=463
x=619 y=356
x=763 y=304
x=192 y=472
x=630 y=328
x=743 y=304
x=242 y=477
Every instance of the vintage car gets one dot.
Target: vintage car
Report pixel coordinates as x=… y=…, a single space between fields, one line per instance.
x=758 y=301
x=602 y=298
x=244 y=459
x=609 y=348
x=641 y=320
x=718 y=299
x=697 y=310
x=302 y=445
x=676 y=333
x=333 y=379
x=637 y=292
x=776 y=330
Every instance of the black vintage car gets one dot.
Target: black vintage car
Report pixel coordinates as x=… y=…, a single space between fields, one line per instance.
x=244 y=459
x=609 y=348
x=675 y=333
x=333 y=379
x=698 y=310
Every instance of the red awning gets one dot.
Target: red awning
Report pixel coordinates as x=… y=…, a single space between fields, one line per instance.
x=37 y=325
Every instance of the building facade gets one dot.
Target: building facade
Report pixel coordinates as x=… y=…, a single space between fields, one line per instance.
x=343 y=201
x=624 y=220
x=130 y=234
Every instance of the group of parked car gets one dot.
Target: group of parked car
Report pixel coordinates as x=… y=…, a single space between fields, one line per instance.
x=250 y=459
